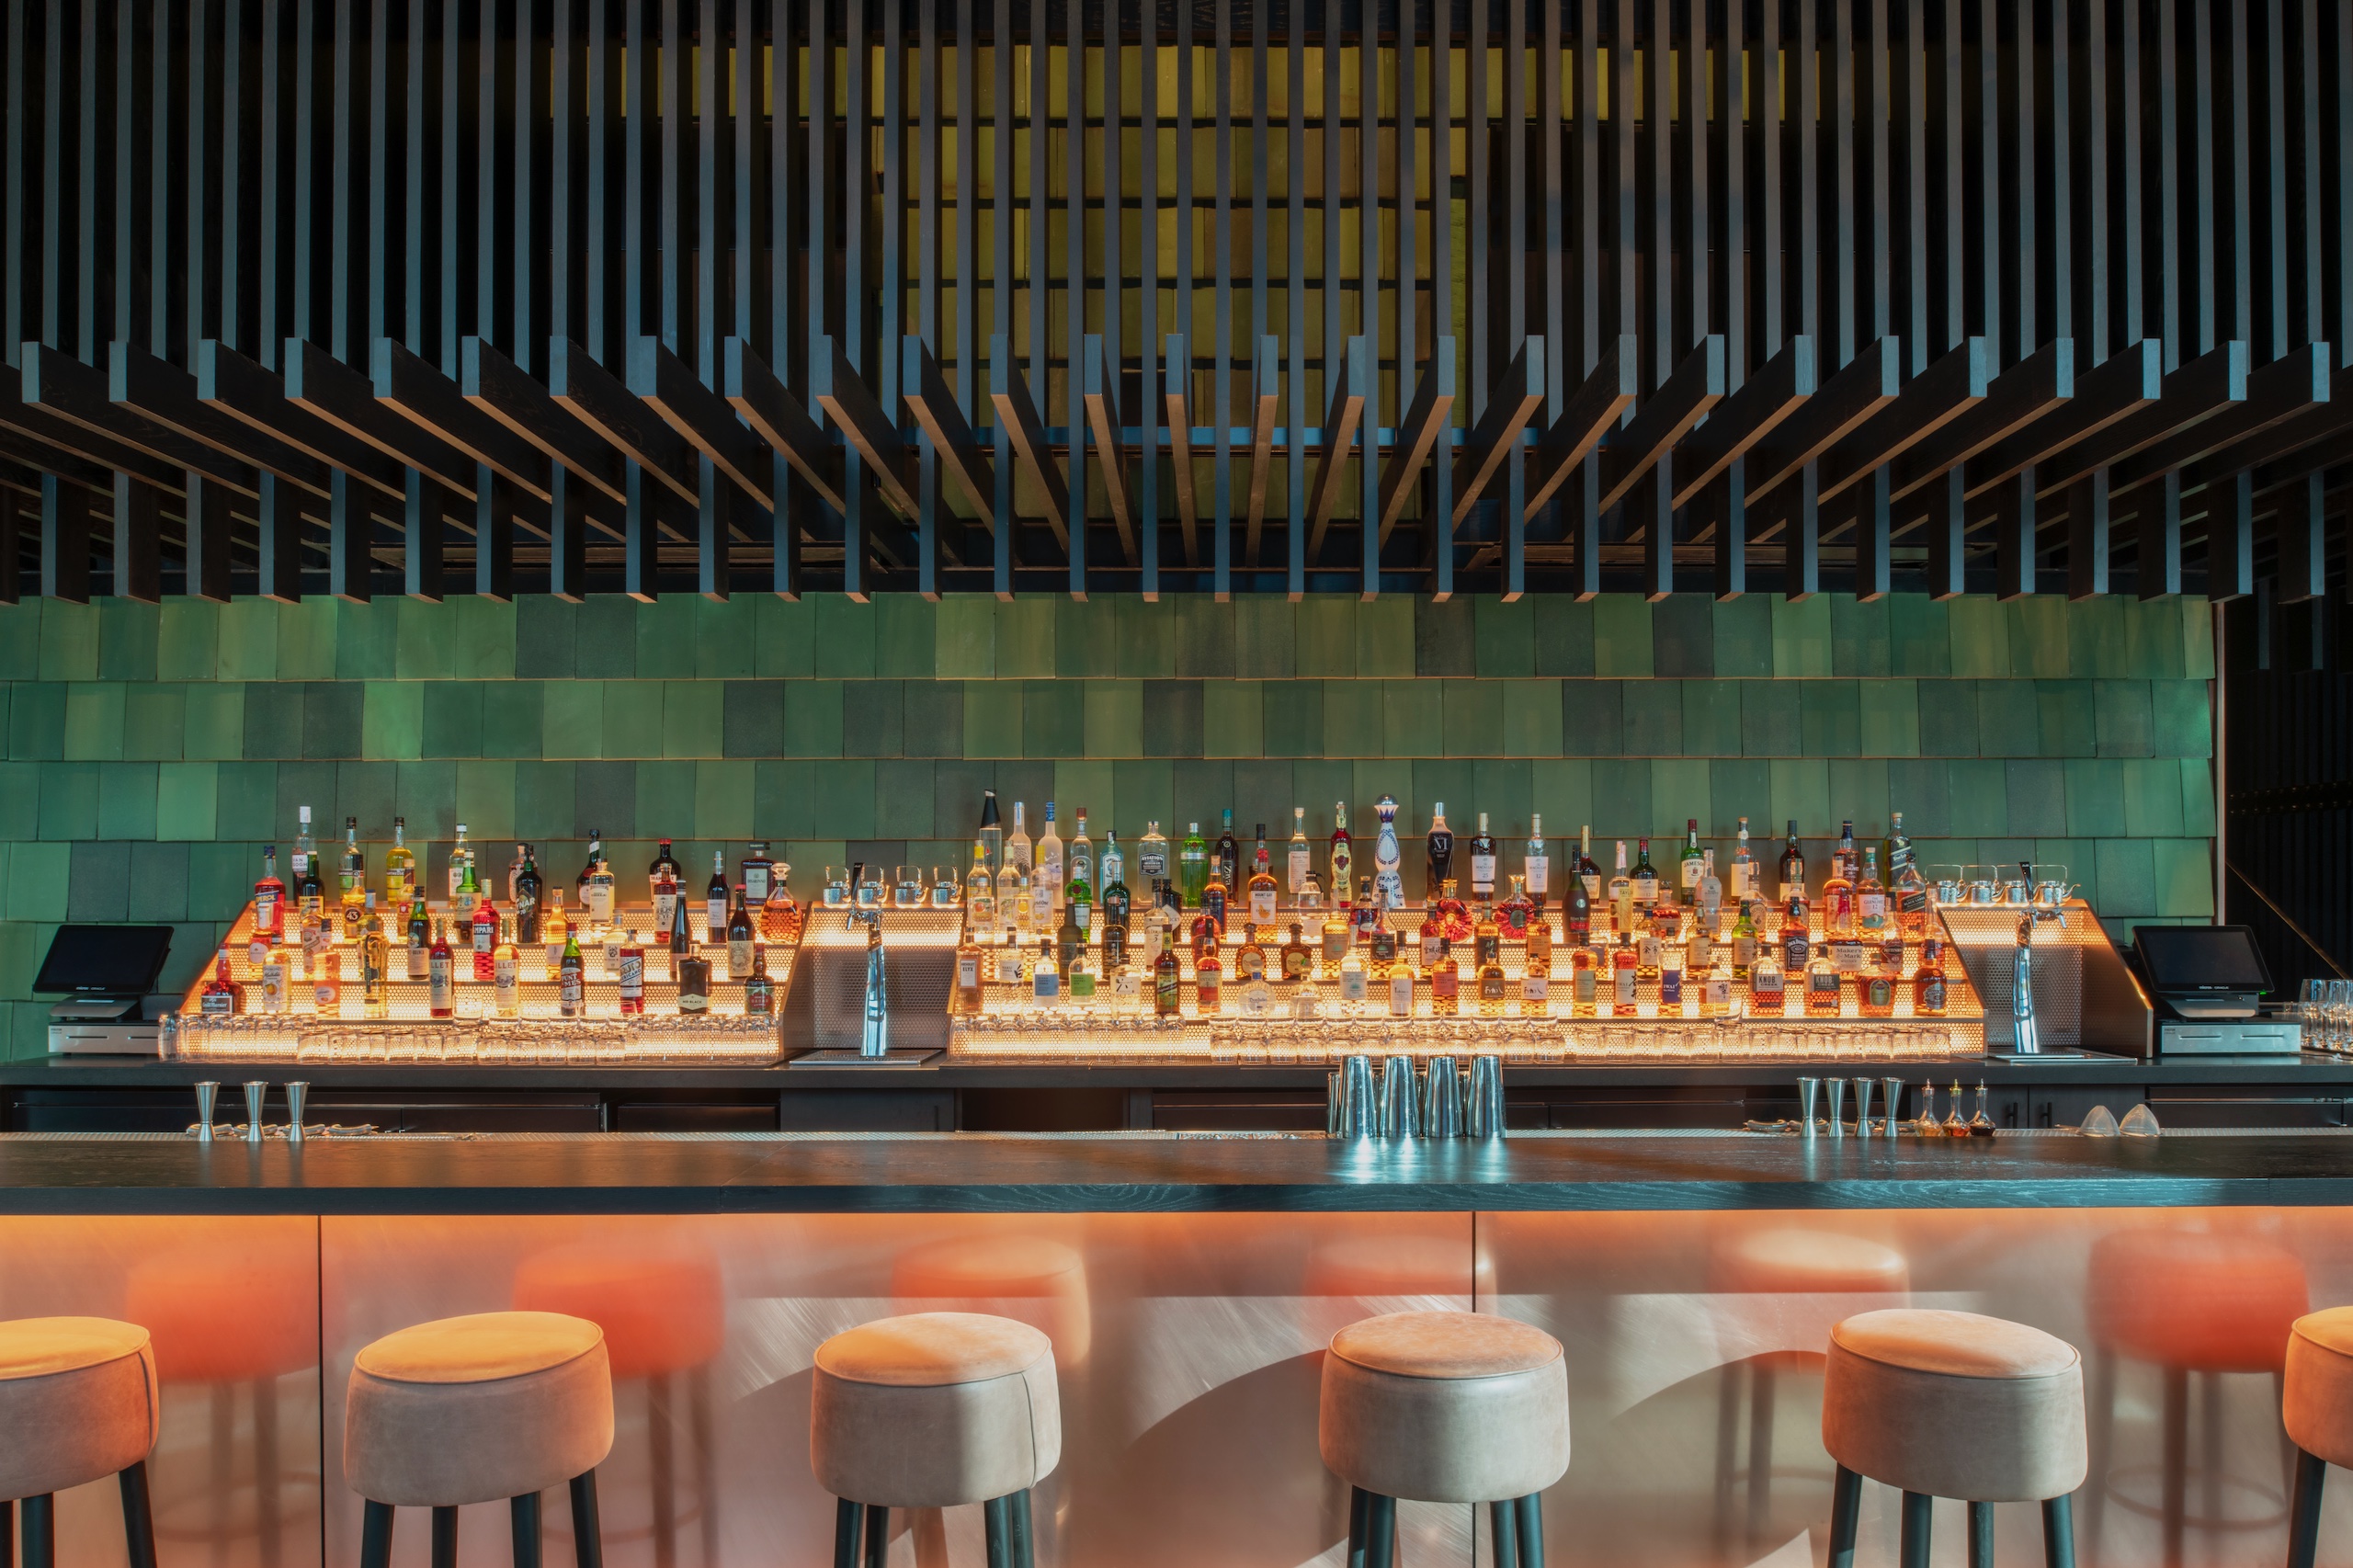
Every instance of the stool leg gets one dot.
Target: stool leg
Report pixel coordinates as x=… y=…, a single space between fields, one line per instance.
x=1760 y=1447
x=2177 y=1477
x=587 y=1535
x=1919 y=1513
x=1845 y=1517
x=1503 y=1520
x=445 y=1538
x=1531 y=1531
x=658 y=1437
x=41 y=1531
x=2101 y=1406
x=878 y=1535
x=996 y=1528
x=846 y=1516
x=1025 y=1539
x=2059 y=1533
x=2210 y=1412
x=1981 y=1535
x=1728 y=1381
x=137 y=1516
x=2303 y=1514
x=1360 y=1506
x=525 y=1514
x=1381 y=1532
x=376 y=1536
x=7 y=1533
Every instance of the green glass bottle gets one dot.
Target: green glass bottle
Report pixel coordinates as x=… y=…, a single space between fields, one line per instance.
x=1192 y=866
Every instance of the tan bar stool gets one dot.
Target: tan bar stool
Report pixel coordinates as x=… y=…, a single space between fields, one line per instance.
x=473 y=1409
x=2316 y=1406
x=1445 y=1407
x=934 y=1410
x=77 y=1404
x=1953 y=1404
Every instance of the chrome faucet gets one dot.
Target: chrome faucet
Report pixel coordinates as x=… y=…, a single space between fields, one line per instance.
x=875 y=1029
x=2025 y=1037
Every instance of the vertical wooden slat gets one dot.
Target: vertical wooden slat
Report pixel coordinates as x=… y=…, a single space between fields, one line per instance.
x=2241 y=283
x=791 y=45
x=1222 y=330
x=934 y=515
x=1478 y=134
x=1552 y=130
x=1956 y=201
x=857 y=196
x=1111 y=147
x=1334 y=332
x=1294 y=301
x=1148 y=336
x=208 y=529
x=2087 y=535
x=65 y=528
x=1581 y=499
x=168 y=74
x=17 y=114
x=1040 y=299
x=2091 y=212
x=1840 y=129
x=967 y=44
x=1369 y=296
x=382 y=127
x=1003 y=293
x=1075 y=276
x=138 y=532
x=1437 y=495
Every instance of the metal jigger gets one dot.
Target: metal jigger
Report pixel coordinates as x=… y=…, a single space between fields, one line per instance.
x=296 y=1092
x=257 y=1092
x=1482 y=1116
x=1356 y=1117
x=1809 y=1092
x=1837 y=1087
x=1863 y=1087
x=1400 y=1109
x=207 y=1095
x=1894 y=1099
x=1442 y=1102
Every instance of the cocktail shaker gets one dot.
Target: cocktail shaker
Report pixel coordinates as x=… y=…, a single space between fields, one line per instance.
x=1442 y=1099
x=1401 y=1106
x=1356 y=1117
x=1484 y=1115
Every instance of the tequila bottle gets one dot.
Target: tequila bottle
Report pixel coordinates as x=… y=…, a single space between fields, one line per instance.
x=1342 y=862
x=1298 y=957
x=1388 y=879
x=1302 y=862
x=461 y=865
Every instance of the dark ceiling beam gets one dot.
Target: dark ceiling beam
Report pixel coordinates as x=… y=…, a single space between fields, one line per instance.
x=1661 y=420
x=702 y=417
x=592 y=395
x=1425 y=420
x=161 y=390
x=1349 y=389
x=1930 y=400
x=2127 y=384
x=422 y=397
x=1016 y=414
x=1101 y=395
x=1512 y=402
x=227 y=380
x=2320 y=423
x=2191 y=394
x=931 y=401
x=1859 y=392
x=2275 y=392
x=322 y=385
x=2014 y=400
x=78 y=395
x=504 y=391
x=782 y=421
x=1745 y=418
x=1591 y=413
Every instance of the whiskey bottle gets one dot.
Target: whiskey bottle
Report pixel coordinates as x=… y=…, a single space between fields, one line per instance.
x=759 y=991
x=1796 y=941
x=1263 y=892
x=572 y=976
x=1539 y=942
x=1192 y=866
x=1482 y=861
x=269 y=898
x=441 y=974
x=221 y=996
x=1227 y=861
x=1872 y=921
x=739 y=936
x=694 y=983
x=1209 y=983
x=485 y=938
x=970 y=967
x=1446 y=981
x=1046 y=876
x=1670 y=987
x=1645 y=875
x=1823 y=986
x=528 y=888
x=759 y=877
x=354 y=879
x=1767 y=993
x=461 y=865
x=505 y=969
x=1250 y=961
x=1792 y=866
x=1298 y=957
x=1743 y=941
x=1622 y=895
x=1928 y=980
x=1694 y=860
x=1117 y=903
x=1877 y=994
x=1213 y=896
x=1494 y=993
x=1576 y=909
x=1536 y=862
x=1399 y=976
x=1844 y=858
x=1440 y=865
x=1744 y=867
x=326 y=984
x=1910 y=894
x=1301 y=864
x=1625 y=974
x=1584 y=981
x=1342 y=857
x=514 y=871
x=1487 y=937
x=631 y=977
x=600 y=890
x=1167 y=976
x=1536 y=990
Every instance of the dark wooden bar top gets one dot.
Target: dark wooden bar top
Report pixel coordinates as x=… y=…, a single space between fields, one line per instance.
x=967 y=1172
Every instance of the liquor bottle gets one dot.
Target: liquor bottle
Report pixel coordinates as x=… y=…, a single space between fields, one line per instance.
x=1693 y=859
x=1539 y=942
x=1494 y=991
x=1587 y=870
x=461 y=862
x=1442 y=852
x=980 y=891
x=1482 y=861
x=1535 y=989
x=1577 y=902
x=1584 y=979
x=306 y=850
x=1670 y=987
x=1250 y=961
x=609 y=952
x=1209 y=985
x=971 y=966
x=1450 y=913
x=1744 y=867
x=1341 y=862
x=1115 y=946
x=514 y=871
x=1536 y=862
x=326 y=984
x=1767 y=991
x=1263 y=892
x=1792 y=866
x=588 y=867
x=759 y=991
x=310 y=887
x=1622 y=895
x=1839 y=914
x=1699 y=948
x=1167 y=977
x=1743 y=941
x=1981 y=1125
x=1338 y=941
x=1070 y=936
x=991 y=833
x=1909 y=894
x=1353 y=987
x=269 y=898
x=739 y=936
x=599 y=888
x=1928 y=980
x=1301 y=863
x=1844 y=859
x=714 y=899
x=1013 y=892
x=221 y=996
x=663 y=864
x=1018 y=849
x=1079 y=864
x=1650 y=954
x=1078 y=977
x=1152 y=867
x=273 y=982
x=505 y=969
x=1192 y=866
x=1117 y=903
x=681 y=936
x=1046 y=876
x=1298 y=957
x=1871 y=918
x=1516 y=911
x=572 y=976
x=631 y=976
x=399 y=866
x=1645 y=875
x=353 y=877
x=554 y=927
x=694 y=983
x=527 y=890
x=1823 y=986
x=780 y=919
x=1446 y=981
x=1007 y=957
x=1226 y=857
x=759 y=877
x=441 y=974
x=485 y=938
x=1877 y=994
x=1796 y=939
x=1078 y=886
x=1213 y=896
x=1488 y=937
x=420 y=936
x=1387 y=860
x=1712 y=892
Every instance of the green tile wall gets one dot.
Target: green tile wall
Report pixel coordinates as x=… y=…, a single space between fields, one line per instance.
x=150 y=751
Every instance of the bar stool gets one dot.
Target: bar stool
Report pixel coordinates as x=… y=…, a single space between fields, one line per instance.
x=2186 y=1301
x=472 y=1409
x=664 y=1317
x=1953 y=1404
x=2316 y=1406
x=1832 y=1270
x=934 y=1410
x=1445 y=1407
x=78 y=1404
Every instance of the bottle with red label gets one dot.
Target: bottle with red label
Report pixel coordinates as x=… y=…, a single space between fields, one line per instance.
x=441 y=974
x=486 y=928
x=222 y=995
x=632 y=972
x=269 y=898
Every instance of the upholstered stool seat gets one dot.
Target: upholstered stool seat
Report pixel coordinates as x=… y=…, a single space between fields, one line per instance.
x=78 y=1404
x=472 y=1409
x=1444 y=1407
x=1953 y=1404
x=2316 y=1406
x=934 y=1410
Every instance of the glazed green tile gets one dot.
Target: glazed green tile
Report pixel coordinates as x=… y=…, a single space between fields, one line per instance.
x=545 y=632
x=1949 y=717
x=19 y=801
x=1385 y=636
x=905 y=626
x=1025 y=637
x=1622 y=643
x=665 y=801
x=1801 y=637
x=371 y=791
x=572 y=719
x=2196 y=639
x=1742 y=637
x=20 y=640
x=368 y=641
x=2094 y=795
x=2196 y=796
x=220 y=881
x=1445 y=637
x=935 y=718
x=1531 y=717
x=874 y=715
x=1737 y=788
x=126 y=801
x=783 y=637
x=2066 y=723
x=784 y=805
x=1204 y=637
x=1504 y=636
x=94 y=722
x=1621 y=798
x=2183 y=873
x=812 y=719
x=845 y=638
x=633 y=722
x=1473 y=712
x=1889 y=716
x=753 y=718
x=1412 y=718
x=1830 y=719
x=1264 y=639
x=38 y=878
x=1263 y=792
x=2126 y=871
x=544 y=806
x=1171 y=723
x=2097 y=648
x=1144 y=635
x=723 y=796
x=306 y=638
x=851 y=785
x=273 y=724
x=69 y=800
x=1592 y=718
x=127 y=637
x=904 y=802
x=37 y=720
x=69 y=642
x=1801 y=793
x=693 y=718
x=187 y=800
x=604 y=794
x=1919 y=639
x=1354 y=718
x=2039 y=643
x=392 y=723
x=992 y=717
x=1324 y=632
x=1233 y=719
x=1769 y=716
x=1293 y=712
x=248 y=640
x=245 y=799
x=1680 y=791
x=602 y=645
x=1980 y=636
x=964 y=636
x=1652 y=721
x=1858 y=791
x=2150 y=635
x=2152 y=792
x=1916 y=787
x=332 y=716
x=425 y=646
x=1087 y=638
x=1561 y=791
x=2081 y=858
x=2182 y=720
x=1504 y=790
x=426 y=793
x=514 y=712
x=98 y=882
x=2123 y=720
x=2037 y=797
x=1114 y=718
x=453 y=719
x=1081 y=786
x=665 y=637
x=1683 y=636
x=300 y=784
x=1861 y=636
x=1711 y=717
x=1563 y=637
x=2009 y=718
x=726 y=638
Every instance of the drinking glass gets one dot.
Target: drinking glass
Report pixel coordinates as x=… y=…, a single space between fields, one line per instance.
x=907 y=888
x=869 y=887
x=836 y=892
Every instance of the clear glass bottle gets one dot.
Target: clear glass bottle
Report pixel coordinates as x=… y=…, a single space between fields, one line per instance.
x=991 y=835
x=399 y=866
x=1873 y=920
x=1046 y=876
x=980 y=891
x=306 y=849
x=1078 y=863
x=1117 y=903
x=598 y=892
x=506 y=975
x=1300 y=861
x=1017 y=851
x=1388 y=859
x=1152 y=866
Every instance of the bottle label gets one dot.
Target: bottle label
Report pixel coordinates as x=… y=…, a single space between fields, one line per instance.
x=1483 y=871
x=1846 y=957
x=418 y=959
x=1625 y=985
x=1879 y=991
x=1295 y=962
x=600 y=902
x=1491 y=985
x=1261 y=904
x=1127 y=985
x=1008 y=966
x=1670 y=988
x=1352 y=985
x=1692 y=866
x=756 y=883
x=666 y=907
x=1766 y=987
x=1536 y=985
x=1335 y=944
x=1646 y=889
x=1586 y=980
x=1743 y=880
x=968 y=972
x=1153 y=864
x=1873 y=907
x=266 y=912
x=714 y=915
x=1822 y=988
x=1539 y=871
x=1932 y=995
x=1299 y=869
x=1046 y=983
x=1254 y=1001
x=568 y=989
x=759 y=999
x=1401 y=995
x=1592 y=881
x=1718 y=992
x=739 y=957
x=632 y=976
x=437 y=984
x=217 y=1002
x=485 y=935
